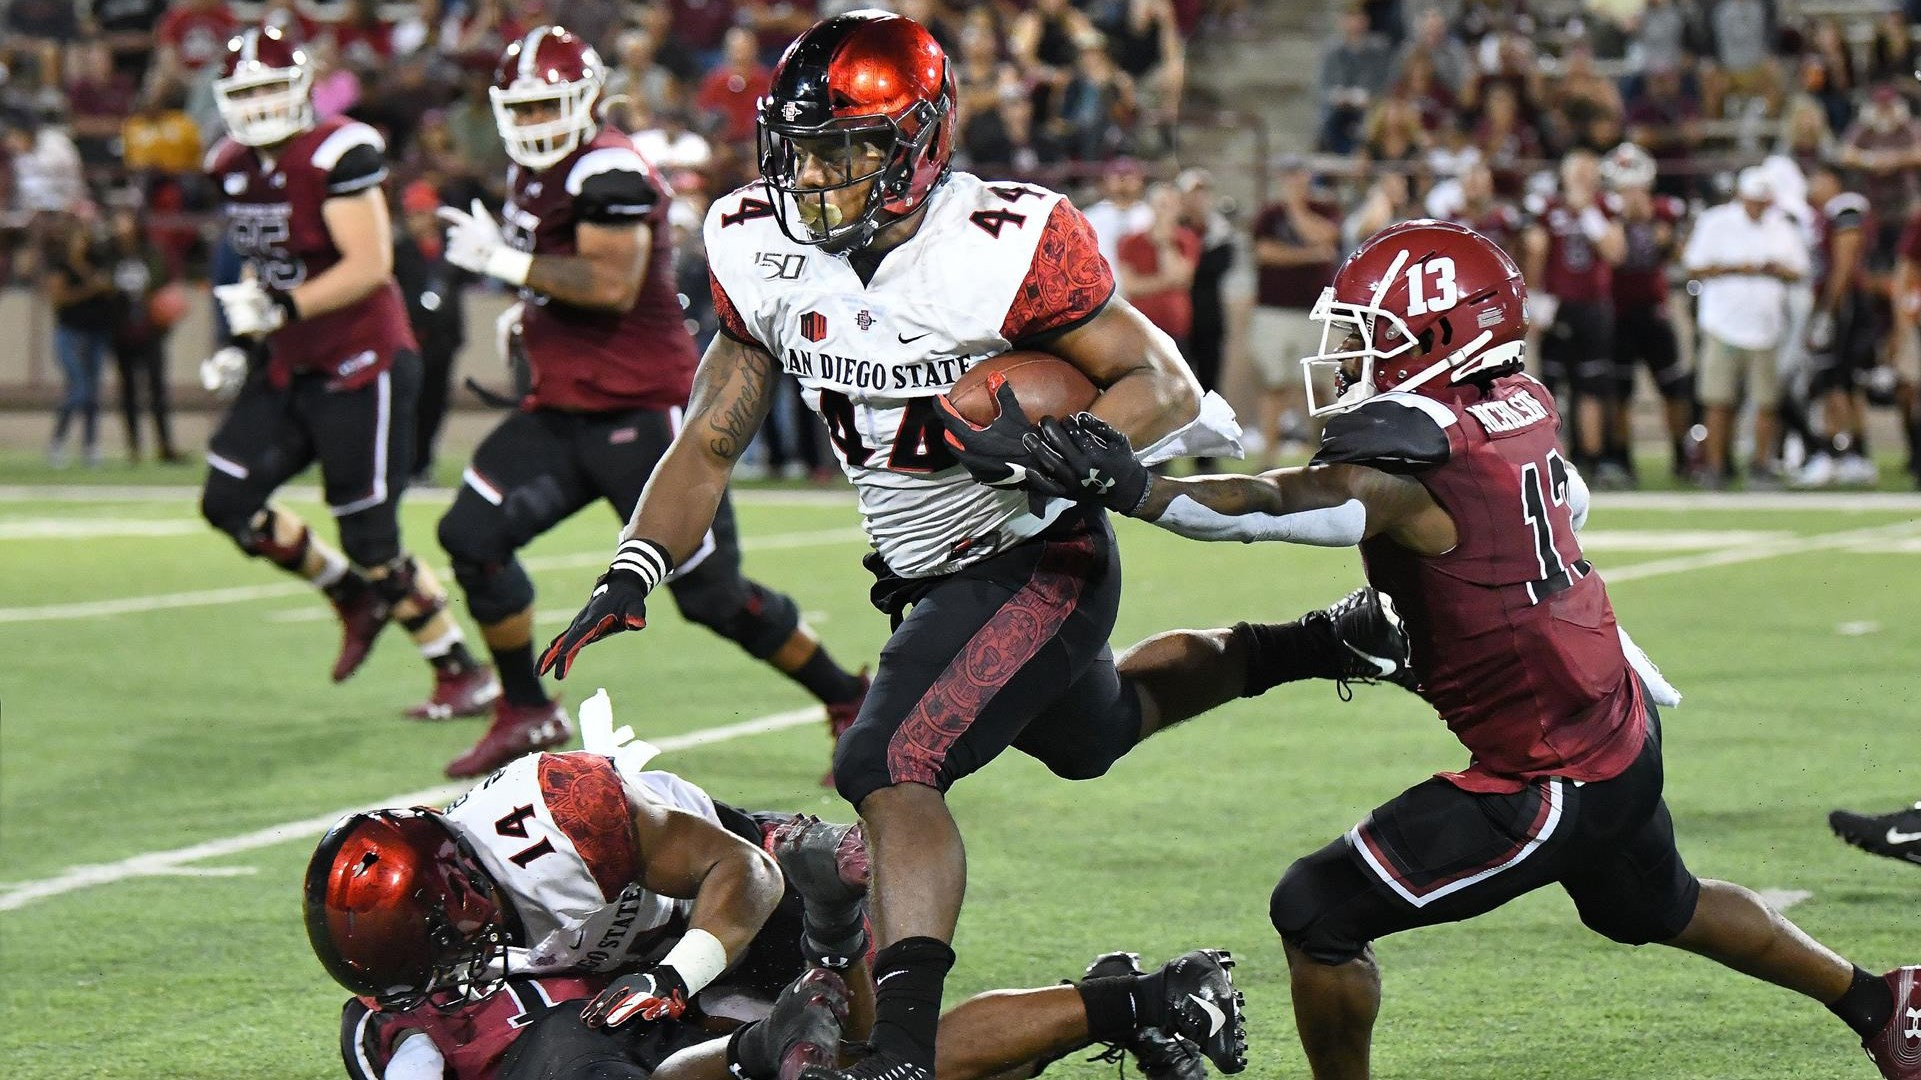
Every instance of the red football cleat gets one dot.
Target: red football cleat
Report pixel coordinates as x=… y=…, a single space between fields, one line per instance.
x=1896 y=1051
x=363 y=615
x=464 y=693
x=840 y=717
x=516 y=730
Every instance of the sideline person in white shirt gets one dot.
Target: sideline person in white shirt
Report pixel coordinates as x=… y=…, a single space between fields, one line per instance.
x=1745 y=253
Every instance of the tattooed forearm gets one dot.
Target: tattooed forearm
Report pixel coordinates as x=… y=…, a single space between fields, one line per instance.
x=732 y=392
x=572 y=279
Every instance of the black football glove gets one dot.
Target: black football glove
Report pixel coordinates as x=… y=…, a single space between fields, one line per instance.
x=619 y=602
x=1090 y=459
x=994 y=455
x=658 y=994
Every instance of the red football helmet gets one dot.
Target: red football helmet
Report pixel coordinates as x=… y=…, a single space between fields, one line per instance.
x=550 y=66
x=865 y=98
x=264 y=87
x=400 y=909
x=1415 y=301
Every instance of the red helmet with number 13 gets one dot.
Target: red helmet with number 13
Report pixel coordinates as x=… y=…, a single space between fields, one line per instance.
x=1422 y=304
x=864 y=98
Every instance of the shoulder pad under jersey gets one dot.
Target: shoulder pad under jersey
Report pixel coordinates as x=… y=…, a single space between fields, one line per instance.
x=1395 y=433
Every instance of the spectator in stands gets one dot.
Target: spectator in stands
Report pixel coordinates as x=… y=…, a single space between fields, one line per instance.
x=97 y=98
x=670 y=144
x=641 y=77
x=1432 y=99
x=46 y=168
x=1892 y=55
x=700 y=27
x=1386 y=202
x=191 y=36
x=146 y=303
x=1438 y=49
x=471 y=128
x=731 y=89
x=43 y=27
x=1665 y=120
x=1157 y=265
x=1296 y=242
x=1505 y=140
x=980 y=75
x=1392 y=135
x=1806 y=139
x=1884 y=145
x=1098 y=105
x=1002 y=136
x=1746 y=67
x=775 y=23
x=80 y=290
x=1583 y=107
x=1354 y=70
x=1744 y=254
x=1044 y=42
x=1207 y=335
x=484 y=30
x=127 y=30
x=1827 y=71
x=1121 y=211
x=1144 y=38
x=1478 y=209
x=362 y=38
x=1660 y=37
x=1451 y=152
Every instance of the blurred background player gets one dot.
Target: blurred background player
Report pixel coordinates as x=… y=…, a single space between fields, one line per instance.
x=1841 y=335
x=1571 y=251
x=1643 y=333
x=1296 y=242
x=1440 y=460
x=587 y=243
x=336 y=373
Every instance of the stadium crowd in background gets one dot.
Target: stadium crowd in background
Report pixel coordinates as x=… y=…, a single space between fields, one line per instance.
x=1479 y=110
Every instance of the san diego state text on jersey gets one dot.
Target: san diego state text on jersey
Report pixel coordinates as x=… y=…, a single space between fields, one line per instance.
x=992 y=267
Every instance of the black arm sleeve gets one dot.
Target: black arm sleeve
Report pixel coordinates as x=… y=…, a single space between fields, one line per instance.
x=360 y=168
x=1384 y=435
x=616 y=197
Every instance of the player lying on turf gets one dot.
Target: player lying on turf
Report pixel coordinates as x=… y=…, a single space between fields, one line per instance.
x=420 y=914
x=1440 y=460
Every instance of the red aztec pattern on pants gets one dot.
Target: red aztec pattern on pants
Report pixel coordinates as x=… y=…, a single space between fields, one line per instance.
x=1000 y=648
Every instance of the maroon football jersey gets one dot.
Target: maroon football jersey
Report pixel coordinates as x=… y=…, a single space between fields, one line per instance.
x=1843 y=212
x=1642 y=278
x=471 y=1039
x=1513 y=636
x=1575 y=270
x=1500 y=223
x=600 y=361
x=274 y=221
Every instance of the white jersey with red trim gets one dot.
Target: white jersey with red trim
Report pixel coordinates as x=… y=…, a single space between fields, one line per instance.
x=556 y=832
x=993 y=266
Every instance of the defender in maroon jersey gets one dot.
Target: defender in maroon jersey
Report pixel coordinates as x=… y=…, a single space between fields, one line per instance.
x=584 y=236
x=1643 y=333
x=335 y=369
x=1440 y=461
x=1571 y=250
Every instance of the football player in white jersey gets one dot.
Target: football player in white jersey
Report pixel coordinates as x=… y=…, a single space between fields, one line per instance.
x=863 y=266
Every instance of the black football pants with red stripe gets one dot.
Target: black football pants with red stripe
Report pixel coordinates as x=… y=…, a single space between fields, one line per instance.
x=1011 y=651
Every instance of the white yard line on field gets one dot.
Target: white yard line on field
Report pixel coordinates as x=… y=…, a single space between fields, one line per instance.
x=175 y=862
x=190 y=495
x=129 y=605
x=97 y=528
x=166 y=862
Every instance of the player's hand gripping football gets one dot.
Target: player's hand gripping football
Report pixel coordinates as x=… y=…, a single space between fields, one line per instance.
x=659 y=994
x=994 y=454
x=1091 y=460
x=619 y=602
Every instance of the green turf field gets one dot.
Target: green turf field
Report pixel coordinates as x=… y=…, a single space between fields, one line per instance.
x=160 y=692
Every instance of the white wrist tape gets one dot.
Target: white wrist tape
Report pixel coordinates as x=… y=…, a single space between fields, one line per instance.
x=698 y=957
x=509 y=265
x=1332 y=526
x=643 y=557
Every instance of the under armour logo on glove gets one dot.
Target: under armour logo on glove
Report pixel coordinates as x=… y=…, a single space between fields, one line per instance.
x=1093 y=482
x=653 y=995
x=993 y=454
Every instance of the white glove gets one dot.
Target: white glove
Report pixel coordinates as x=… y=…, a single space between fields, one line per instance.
x=506 y=325
x=1820 y=331
x=224 y=371
x=249 y=309
x=474 y=243
x=1594 y=224
x=1541 y=309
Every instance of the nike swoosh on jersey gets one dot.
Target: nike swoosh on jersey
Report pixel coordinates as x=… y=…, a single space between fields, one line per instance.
x=905 y=340
x=1215 y=1017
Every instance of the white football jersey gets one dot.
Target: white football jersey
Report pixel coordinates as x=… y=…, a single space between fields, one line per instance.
x=992 y=266
x=556 y=832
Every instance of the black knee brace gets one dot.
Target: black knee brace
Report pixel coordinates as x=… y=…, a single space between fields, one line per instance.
x=237 y=510
x=745 y=612
x=497 y=586
x=1309 y=907
x=371 y=537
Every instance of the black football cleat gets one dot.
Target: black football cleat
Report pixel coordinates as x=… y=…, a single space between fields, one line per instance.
x=1896 y=835
x=1205 y=1007
x=1367 y=626
x=878 y=1065
x=1158 y=1055
x=802 y=1032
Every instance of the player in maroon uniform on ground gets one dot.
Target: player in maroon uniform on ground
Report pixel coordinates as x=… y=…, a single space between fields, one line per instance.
x=335 y=372
x=1571 y=250
x=1440 y=460
x=586 y=241
x=1643 y=333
